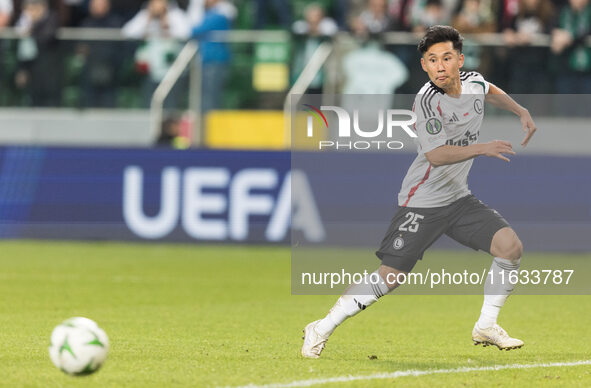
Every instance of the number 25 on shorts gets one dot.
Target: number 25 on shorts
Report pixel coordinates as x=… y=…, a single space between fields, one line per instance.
x=411 y=224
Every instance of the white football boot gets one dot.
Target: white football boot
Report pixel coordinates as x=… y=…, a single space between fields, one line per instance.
x=495 y=335
x=313 y=342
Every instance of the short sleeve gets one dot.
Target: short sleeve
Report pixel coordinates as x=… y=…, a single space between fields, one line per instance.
x=478 y=78
x=429 y=125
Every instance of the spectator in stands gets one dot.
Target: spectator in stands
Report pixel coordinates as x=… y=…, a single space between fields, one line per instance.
x=76 y=11
x=281 y=8
x=529 y=72
x=101 y=59
x=215 y=56
x=401 y=14
x=429 y=13
x=160 y=19
x=568 y=42
x=56 y=7
x=100 y=16
x=6 y=9
x=375 y=17
x=126 y=9
x=161 y=24
x=5 y=13
x=315 y=23
x=309 y=34
x=506 y=12
x=372 y=75
x=474 y=18
x=533 y=17
x=39 y=62
x=196 y=10
x=340 y=11
x=170 y=135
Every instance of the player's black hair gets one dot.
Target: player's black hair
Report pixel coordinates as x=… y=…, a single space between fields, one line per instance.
x=438 y=34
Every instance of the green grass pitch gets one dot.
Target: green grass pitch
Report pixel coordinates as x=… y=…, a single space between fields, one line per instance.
x=199 y=316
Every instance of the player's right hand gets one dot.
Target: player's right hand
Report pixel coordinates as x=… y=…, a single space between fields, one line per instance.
x=497 y=148
x=529 y=127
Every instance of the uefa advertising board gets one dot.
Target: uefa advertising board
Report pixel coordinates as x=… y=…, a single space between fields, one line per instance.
x=256 y=197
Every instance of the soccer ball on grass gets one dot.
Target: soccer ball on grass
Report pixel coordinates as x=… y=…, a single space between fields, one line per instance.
x=78 y=346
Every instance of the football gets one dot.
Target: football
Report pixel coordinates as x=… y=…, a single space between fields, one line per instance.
x=78 y=346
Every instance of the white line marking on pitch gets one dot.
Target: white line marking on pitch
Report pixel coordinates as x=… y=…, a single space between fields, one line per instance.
x=405 y=373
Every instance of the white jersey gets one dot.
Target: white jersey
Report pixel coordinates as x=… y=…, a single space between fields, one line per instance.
x=441 y=120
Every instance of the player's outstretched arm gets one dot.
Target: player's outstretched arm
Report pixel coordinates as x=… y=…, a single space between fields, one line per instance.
x=448 y=154
x=497 y=97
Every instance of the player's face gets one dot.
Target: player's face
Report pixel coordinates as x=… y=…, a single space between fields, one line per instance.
x=442 y=63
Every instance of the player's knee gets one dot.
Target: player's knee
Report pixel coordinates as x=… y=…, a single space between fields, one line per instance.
x=507 y=245
x=512 y=249
x=517 y=250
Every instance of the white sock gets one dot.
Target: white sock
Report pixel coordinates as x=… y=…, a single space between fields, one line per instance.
x=495 y=291
x=357 y=298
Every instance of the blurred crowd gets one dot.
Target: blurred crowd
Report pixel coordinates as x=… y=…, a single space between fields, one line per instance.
x=517 y=62
x=161 y=24
x=521 y=60
x=518 y=18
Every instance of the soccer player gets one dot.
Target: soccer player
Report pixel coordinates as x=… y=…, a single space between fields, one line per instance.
x=435 y=199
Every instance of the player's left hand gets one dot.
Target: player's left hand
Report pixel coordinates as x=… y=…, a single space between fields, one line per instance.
x=529 y=127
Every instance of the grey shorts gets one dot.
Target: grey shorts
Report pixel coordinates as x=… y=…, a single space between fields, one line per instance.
x=413 y=230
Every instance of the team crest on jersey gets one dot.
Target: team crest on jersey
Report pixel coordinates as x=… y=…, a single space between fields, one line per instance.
x=434 y=126
x=478 y=106
x=398 y=243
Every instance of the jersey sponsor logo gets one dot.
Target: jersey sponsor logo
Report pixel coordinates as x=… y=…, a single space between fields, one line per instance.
x=478 y=106
x=454 y=118
x=461 y=142
x=467 y=139
x=398 y=243
x=434 y=126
